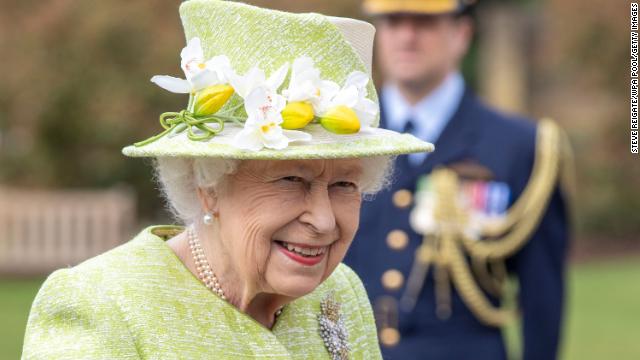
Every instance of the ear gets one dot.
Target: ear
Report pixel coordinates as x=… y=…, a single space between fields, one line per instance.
x=464 y=34
x=208 y=200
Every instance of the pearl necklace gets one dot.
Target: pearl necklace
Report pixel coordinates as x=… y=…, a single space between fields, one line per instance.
x=205 y=273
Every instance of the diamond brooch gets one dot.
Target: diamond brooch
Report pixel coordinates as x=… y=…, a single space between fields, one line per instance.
x=332 y=328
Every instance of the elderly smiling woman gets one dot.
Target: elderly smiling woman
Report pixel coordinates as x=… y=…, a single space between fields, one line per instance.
x=267 y=174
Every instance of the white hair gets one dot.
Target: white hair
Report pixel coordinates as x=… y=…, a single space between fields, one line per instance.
x=180 y=178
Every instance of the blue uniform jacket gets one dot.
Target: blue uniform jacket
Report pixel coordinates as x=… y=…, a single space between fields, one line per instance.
x=506 y=146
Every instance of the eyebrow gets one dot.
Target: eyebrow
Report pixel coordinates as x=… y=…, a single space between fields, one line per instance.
x=304 y=169
x=343 y=170
x=351 y=171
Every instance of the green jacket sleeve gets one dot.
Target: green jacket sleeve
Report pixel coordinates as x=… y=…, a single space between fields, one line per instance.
x=74 y=319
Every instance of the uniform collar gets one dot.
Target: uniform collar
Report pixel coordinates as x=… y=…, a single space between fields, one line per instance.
x=431 y=114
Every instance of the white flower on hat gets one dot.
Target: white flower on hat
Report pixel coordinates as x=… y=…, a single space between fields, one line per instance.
x=306 y=85
x=198 y=72
x=354 y=95
x=263 y=125
x=255 y=78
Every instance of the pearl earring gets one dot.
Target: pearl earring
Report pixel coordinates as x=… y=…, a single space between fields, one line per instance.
x=207 y=219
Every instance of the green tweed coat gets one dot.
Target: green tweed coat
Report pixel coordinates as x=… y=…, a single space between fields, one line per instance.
x=138 y=301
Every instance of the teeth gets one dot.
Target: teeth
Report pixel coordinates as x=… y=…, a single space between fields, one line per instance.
x=305 y=251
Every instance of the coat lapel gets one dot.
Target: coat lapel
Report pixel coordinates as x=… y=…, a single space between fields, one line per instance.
x=455 y=142
x=457 y=138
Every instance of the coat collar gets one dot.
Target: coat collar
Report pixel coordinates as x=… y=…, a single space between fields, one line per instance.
x=455 y=141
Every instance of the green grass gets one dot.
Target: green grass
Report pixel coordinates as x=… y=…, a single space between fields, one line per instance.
x=602 y=318
x=15 y=301
x=602 y=322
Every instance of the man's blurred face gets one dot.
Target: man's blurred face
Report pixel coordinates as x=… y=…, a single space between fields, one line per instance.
x=421 y=49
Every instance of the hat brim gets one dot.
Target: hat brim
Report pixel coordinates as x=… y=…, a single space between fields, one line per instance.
x=410 y=7
x=325 y=145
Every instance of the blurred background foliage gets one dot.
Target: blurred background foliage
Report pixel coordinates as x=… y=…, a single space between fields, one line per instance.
x=581 y=78
x=75 y=89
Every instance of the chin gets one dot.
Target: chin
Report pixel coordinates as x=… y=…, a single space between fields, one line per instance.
x=295 y=286
x=287 y=276
x=409 y=75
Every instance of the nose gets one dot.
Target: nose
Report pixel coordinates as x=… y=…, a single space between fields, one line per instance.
x=319 y=213
x=406 y=30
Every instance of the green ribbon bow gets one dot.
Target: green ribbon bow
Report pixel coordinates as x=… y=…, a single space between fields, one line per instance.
x=178 y=122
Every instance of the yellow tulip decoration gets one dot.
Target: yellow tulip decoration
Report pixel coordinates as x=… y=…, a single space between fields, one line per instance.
x=297 y=115
x=211 y=99
x=341 y=120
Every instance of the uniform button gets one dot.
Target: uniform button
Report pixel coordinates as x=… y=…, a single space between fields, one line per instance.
x=402 y=198
x=389 y=337
x=397 y=239
x=392 y=279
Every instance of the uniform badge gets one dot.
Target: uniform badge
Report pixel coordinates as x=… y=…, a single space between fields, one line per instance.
x=452 y=211
x=478 y=200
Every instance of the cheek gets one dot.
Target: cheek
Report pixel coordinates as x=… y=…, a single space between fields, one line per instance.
x=386 y=46
x=253 y=220
x=261 y=209
x=271 y=212
x=348 y=216
x=431 y=45
x=347 y=213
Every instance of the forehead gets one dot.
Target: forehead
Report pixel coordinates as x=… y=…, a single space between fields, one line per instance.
x=312 y=167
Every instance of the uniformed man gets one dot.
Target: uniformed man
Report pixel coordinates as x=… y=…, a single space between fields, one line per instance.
x=435 y=249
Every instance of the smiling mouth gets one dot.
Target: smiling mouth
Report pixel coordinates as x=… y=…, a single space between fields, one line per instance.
x=305 y=255
x=305 y=251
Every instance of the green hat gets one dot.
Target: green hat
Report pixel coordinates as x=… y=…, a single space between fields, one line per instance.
x=267 y=84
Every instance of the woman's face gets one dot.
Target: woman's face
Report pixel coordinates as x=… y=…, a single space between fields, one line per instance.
x=287 y=224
